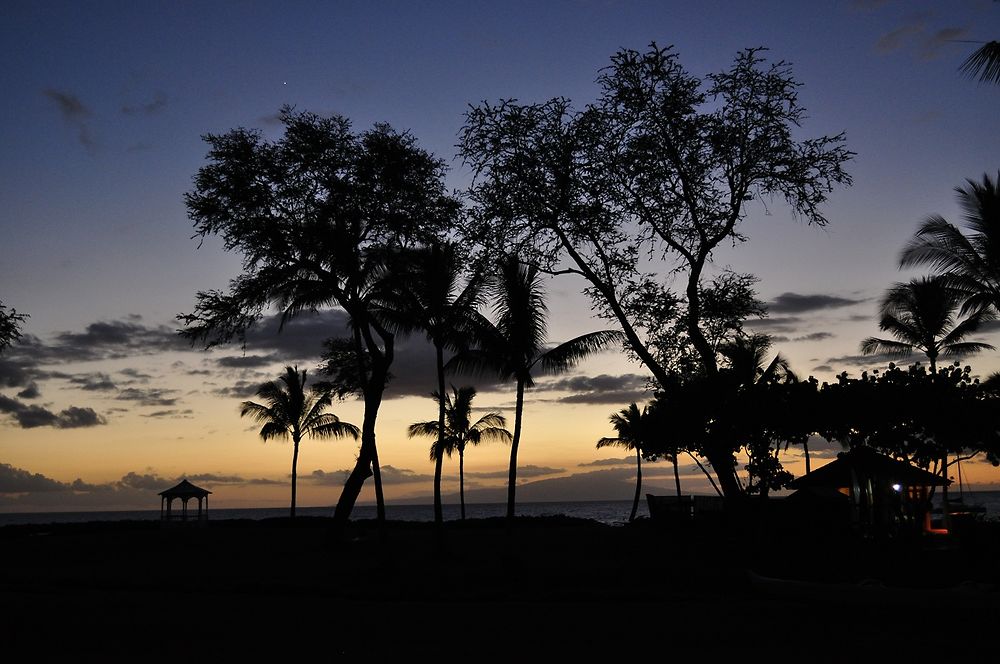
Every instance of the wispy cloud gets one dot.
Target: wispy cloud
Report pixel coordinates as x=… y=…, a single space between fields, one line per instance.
x=75 y=113
x=152 y=107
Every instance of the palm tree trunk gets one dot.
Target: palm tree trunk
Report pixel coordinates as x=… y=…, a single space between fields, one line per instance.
x=461 y=479
x=638 y=485
x=512 y=474
x=377 y=480
x=439 y=455
x=677 y=475
x=805 y=448
x=295 y=463
x=707 y=474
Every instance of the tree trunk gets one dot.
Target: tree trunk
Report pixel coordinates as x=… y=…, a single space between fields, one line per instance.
x=377 y=479
x=707 y=474
x=805 y=448
x=638 y=485
x=677 y=475
x=439 y=454
x=295 y=463
x=512 y=474
x=461 y=479
x=367 y=459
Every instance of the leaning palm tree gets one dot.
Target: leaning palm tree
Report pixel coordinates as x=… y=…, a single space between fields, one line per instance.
x=290 y=411
x=969 y=262
x=459 y=431
x=432 y=299
x=923 y=315
x=514 y=346
x=632 y=426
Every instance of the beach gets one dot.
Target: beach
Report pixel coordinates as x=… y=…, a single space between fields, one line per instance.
x=134 y=590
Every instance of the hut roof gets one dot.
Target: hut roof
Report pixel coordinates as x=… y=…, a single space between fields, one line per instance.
x=185 y=489
x=869 y=463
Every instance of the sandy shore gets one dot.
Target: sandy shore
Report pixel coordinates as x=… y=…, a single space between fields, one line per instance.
x=132 y=590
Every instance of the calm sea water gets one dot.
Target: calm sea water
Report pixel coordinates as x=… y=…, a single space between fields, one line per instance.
x=611 y=512
x=607 y=511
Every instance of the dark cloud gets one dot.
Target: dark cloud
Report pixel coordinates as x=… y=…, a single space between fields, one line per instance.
x=857 y=318
x=247 y=361
x=814 y=336
x=145 y=481
x=94 y=382
x=788 y=324
x=153 y=396
x=30 y=392
x=172 y=413
x=630 y=461
x=75 y=113
x=18 y=480
x=822 y=367
x=522 y=472
x=152 y=107
x=135 y=374
x=31 y=416
x=390 y=475
x=797 y=303
x=600 y=389
x=215 y=478
x=241 y=389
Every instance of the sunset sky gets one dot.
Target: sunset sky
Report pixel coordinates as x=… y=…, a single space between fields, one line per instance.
x=102 y=405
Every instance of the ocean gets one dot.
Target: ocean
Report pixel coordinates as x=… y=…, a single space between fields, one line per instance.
x=611 y=512
x=606 y=511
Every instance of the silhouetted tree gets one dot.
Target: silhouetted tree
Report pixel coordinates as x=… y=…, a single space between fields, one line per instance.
x=969 y=262
x=433 y=300
x=317 y=216
x=290 y=411
x=10 y=326
x=664 y=164
x=923 y=314
x=633 y=430
x=514 y=346
x=459 y=432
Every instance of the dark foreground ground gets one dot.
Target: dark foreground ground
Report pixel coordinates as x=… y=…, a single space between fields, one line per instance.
x=563 y=588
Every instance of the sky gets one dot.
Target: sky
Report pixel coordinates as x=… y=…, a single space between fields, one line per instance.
x=105 y=104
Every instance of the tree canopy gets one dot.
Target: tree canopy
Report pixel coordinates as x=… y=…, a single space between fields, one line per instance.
x=644 y=184
x=317 y=216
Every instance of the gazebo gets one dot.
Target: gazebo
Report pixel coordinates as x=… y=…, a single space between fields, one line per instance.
x=185 y=491
x=883 y=494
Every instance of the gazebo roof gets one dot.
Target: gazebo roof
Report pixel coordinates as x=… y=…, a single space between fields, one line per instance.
x=869 y=463
x=185 y=490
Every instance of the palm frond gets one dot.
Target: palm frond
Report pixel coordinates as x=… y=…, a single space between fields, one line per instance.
x=887 y=347
x=569 y=353
x=273 y=430
x=966 y=348
x=983 y=63
x=426 y=429
x=613 y=442
x=332 y=427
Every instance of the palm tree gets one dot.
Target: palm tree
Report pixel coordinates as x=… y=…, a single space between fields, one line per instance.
x=514 y=347
x=291 y=411
x=459 y=432
x=970 y=263
x=432 y=300
x=632 y=426
x=922 y=315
